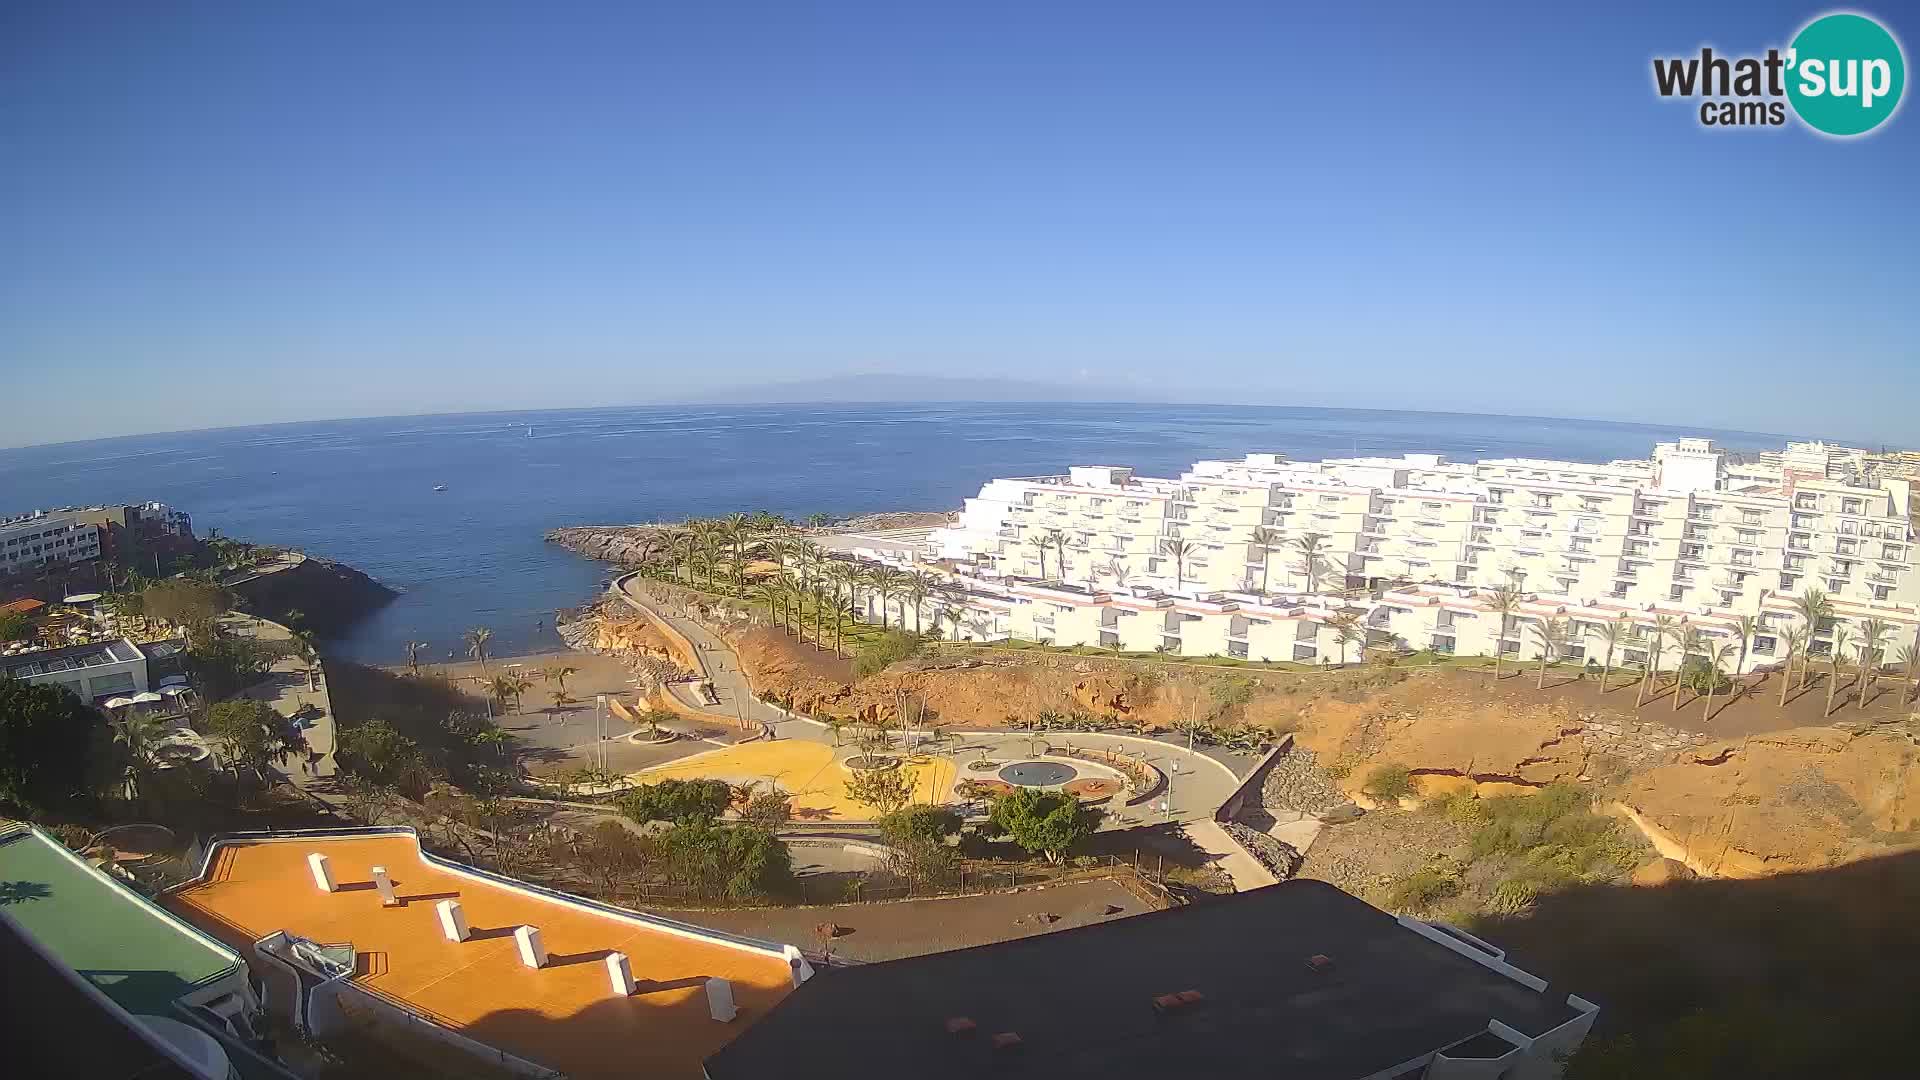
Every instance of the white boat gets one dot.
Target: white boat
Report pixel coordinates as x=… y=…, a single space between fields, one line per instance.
x=439 y=487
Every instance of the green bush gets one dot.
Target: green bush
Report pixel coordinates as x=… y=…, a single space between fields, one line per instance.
x=1045 y=823
x=682 y=802
x=890 y=648
x=1698 y=676
x=931 y=824
x=1423 y=889
x=740 y=862
x=1389 y=782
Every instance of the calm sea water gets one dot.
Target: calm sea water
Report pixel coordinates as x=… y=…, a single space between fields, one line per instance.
x=361 y=491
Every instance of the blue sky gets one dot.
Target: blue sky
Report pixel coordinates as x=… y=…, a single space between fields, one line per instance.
x=221 y=214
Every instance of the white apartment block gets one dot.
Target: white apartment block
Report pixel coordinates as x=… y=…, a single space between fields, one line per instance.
x=30 y=543
x=1413 y=545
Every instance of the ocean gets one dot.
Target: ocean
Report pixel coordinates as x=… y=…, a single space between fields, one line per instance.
x=362 y=491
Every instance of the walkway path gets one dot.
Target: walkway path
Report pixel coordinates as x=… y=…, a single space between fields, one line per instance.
x=1200 y=780
x=717 y=660
x=1245 y=870
x=286 y=689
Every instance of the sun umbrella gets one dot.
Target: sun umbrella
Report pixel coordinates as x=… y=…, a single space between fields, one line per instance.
x=174 y=691
x=119 y=702
x=174 y=680
x=145 y=697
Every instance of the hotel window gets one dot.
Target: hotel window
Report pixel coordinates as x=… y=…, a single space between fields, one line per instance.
x=1849 y=506
x=1678 y=592
x=1764 y=644
x=1836 y=584
x=1749 y=536
x=1805 y=501
x=1690 y=551
x=1851 y=528
x=1882 y=592
x=1750 y=517
x=1846 y=547
x=1892 y=551
x=1743 y=558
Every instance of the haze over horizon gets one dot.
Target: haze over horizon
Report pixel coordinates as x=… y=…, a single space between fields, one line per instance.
x=233 y=214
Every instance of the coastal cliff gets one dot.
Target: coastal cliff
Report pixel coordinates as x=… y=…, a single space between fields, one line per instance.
x=330 y=596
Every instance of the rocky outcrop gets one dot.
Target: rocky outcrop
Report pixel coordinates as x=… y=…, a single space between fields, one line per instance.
x=627 y=546
x=330 y=596
x=1296 y=782
x=1783 y=801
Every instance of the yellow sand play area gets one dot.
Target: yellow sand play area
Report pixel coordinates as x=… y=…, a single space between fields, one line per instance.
x=809 y=771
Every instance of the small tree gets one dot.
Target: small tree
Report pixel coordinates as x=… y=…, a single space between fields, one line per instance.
x=1046 y=823
x=47 y=738
x=918 y=824
x=1389 y=783
x=252 y=736
x=884 y=790
x=679 y=801
x=767 y=809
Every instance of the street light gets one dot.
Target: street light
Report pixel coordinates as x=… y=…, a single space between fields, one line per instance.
x=600 y=727
x=1168 y=803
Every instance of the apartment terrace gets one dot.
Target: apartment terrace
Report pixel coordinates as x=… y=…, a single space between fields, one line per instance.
x=564 y=1015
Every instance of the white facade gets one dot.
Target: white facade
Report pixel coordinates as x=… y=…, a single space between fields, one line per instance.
x=1101 y=556
x=29 y=543
x=101 y=670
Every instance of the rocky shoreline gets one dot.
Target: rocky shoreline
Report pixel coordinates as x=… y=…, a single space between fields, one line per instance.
x=330 y=596
x=631 y=546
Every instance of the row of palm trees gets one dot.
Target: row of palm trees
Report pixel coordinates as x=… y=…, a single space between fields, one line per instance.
x=1813 y=607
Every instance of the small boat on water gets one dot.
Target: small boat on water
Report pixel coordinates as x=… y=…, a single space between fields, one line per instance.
x=439 y=487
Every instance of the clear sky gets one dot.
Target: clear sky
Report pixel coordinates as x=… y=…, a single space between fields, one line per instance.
x=236 y=213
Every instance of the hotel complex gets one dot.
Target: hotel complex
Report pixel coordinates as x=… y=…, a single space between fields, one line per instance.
x=1269 y=559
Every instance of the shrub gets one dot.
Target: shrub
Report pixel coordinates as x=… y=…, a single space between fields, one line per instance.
x=682 y=802
x=919 y=823
x=890 y=648
x=1513 y=896
x=740 y=862
x=1422 y=889
x=1698 y=676
x=1045 y=823
x=1389 y=782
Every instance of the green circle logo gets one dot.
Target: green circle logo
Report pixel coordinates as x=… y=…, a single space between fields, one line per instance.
x=1845 y=74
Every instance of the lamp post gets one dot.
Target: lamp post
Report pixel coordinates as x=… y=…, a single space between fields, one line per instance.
x=600 y=728
x=1172 y=775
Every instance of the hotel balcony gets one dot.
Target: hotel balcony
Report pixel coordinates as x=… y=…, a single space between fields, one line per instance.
x=1881 y=577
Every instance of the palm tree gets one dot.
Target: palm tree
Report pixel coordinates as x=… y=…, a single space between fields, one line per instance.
x=1656 y=645
x=828 y=599
x=1716 y=656
x=887 y=584
x=1909 y=659
x=1814 y=609
x=683 y=547
x=956 y=616
x=1746 y=626
x=843 y=575
x=711 y=547
x=502 y=687
x=824 y=599
x=139 y=735
x=1611 y=633
x=769 y=593
x=1309 y=548
x=477 y=639
x=1346 y=628
x=1796 y=641
x=917 y=587
x=1552 y=633
x=809 y=555
x=1041 y=542
x=413 y=656
x=309 y=654
x=559 y=672
x=736 y=532
x=1840 y=635
x=1059 y=539
x=1873 y=643
x=1504 y=601
x=1179 y=549
x=1690 y=643
x=1265 y=539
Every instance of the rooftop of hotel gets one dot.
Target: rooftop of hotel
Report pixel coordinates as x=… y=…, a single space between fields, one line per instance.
x=1083 y=1001
x=134 y=952
x=29 y=664
x=563 y=1016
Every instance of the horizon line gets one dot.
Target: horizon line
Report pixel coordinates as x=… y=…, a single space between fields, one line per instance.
x=702 y=403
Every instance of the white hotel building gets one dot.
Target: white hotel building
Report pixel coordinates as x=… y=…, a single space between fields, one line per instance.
x=39 y=540
x=1411 y=545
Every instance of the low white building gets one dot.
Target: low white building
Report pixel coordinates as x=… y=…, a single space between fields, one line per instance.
x=93 y=672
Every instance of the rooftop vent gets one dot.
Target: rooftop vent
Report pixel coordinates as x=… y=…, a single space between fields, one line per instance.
x=1319 y=963
x=1006 y=1041
x=1171 y=1003
x=961 y=1025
